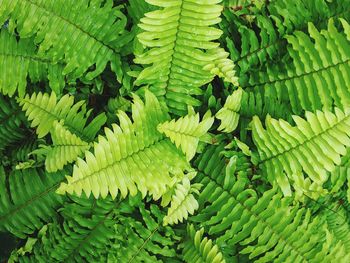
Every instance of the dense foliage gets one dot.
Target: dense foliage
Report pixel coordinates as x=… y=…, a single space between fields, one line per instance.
x=175 y=131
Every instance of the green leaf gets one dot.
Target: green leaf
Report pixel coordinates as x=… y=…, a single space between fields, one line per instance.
x=183 y=203
x=28 y=199
x=132 y=157
x=229 y=115
x=314 y=146
x=180 y=40
x=199 y=249
x=99 y=42
x=186 y=132
x=66 y=148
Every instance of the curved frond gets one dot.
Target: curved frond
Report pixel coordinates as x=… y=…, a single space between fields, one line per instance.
x=313 y=146
x=21 y=152
x=185 y=132
x=61 y=26
x=222 y=66
x=256 y=45
x=133 y=156
x=332 y=251
x=229 y=115
x=28 y=200
x=198 y=249
x=268 y=227
x=10 y=122
x=66 y=148
x=262 y=104
x=338 y=225
x=83 y=236
x=44 y=109
x=104 y=231
x=179 y=34
x=183 y=203
x=19 y=60
x=317 y=76
x=262 y=38
x=341 y=174
x=147 y=241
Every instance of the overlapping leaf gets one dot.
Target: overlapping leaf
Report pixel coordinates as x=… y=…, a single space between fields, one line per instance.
x=314 y=146
x=28 y=199
x=132 y=157
x=19 y=60
x=81 y=33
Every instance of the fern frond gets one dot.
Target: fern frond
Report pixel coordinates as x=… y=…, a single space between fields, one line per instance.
x=336 y=218
x=229 y=115
x=222 y=66
x=66 y=148
x=264 y=40
x=314 y=146
x=339 y=176
x=21 y=152
x=268 y=227
x=19 y=60
x=316 y=78
x=198 y=249
x=28 y=200
x=44 y=109
x=132 y=156
x=10 y=122
x=185 y=132
x=262 y=104
x=210 y=165
x=138 y=8
x=96 y=230
x=147 y=240
x=84 y=235
x=60 y=27
x=299 y=13
x=178 y=37
x=332 y=251
x=107 y=151
x=253 y=48
x=183 y=203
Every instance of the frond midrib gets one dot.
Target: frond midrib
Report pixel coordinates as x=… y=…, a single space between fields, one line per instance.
x=29 y=201
x=254 y=214
x=10 y=116
x=73 y=24
x=119 y=161
x=296 y=76
x=70 y=145
x=144 y=244
x=281 y=39
x=181 y=132
x=70 y=127
x=314 y=137
x=180 y=205
x=87 y=237
x=169 y=77
x=30 y=58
